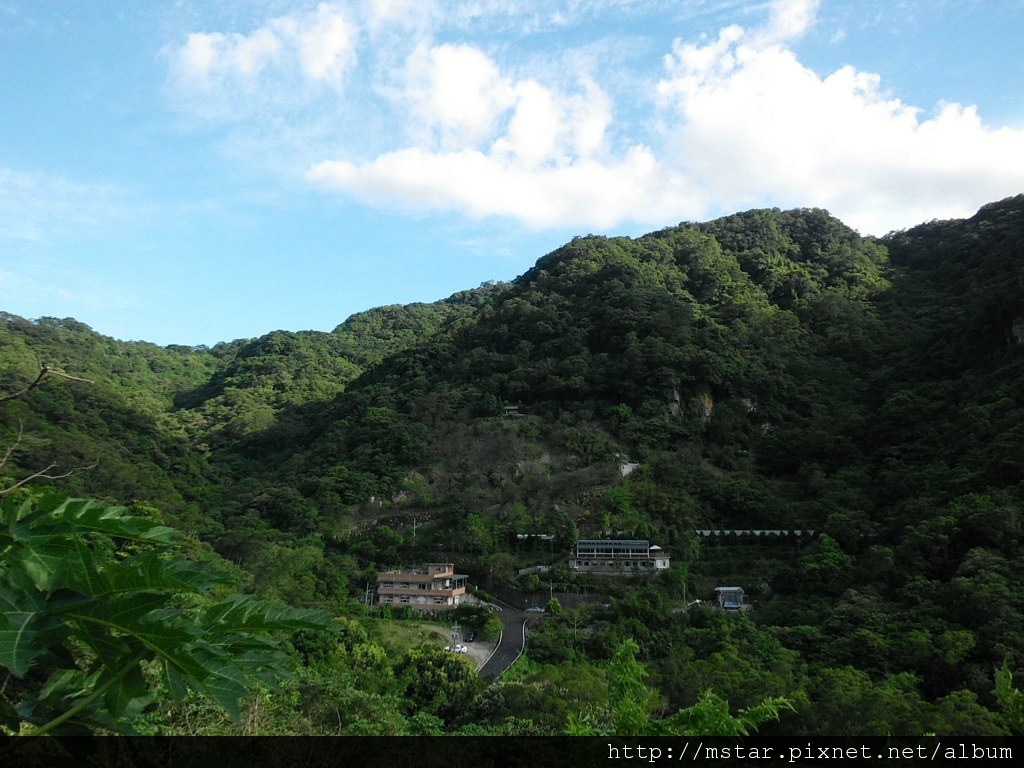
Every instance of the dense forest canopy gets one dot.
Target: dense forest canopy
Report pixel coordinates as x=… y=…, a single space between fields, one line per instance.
x=767 y=370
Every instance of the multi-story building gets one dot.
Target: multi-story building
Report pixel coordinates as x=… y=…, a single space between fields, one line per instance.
x=618 y=556
x=435 y=588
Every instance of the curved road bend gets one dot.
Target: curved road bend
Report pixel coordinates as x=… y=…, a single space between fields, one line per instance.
x=510 y=647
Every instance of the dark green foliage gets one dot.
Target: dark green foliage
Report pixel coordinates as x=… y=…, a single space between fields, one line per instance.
x=368 y=337
x=120 y=421
x=1010 y=699
x=767 y=370
x=90 y=595
x=631 y=704
x=437 y=682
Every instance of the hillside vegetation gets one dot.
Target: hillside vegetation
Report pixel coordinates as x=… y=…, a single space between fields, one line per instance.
x=767 y=370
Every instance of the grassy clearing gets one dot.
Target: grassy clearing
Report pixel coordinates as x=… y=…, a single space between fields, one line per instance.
x=400 y=636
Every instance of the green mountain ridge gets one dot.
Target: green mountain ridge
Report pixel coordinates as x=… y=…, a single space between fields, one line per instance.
x=769 y=369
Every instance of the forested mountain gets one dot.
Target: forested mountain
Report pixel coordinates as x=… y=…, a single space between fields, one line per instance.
x=767 y=370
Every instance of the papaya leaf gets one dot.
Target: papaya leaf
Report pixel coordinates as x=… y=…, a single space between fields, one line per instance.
x=68 y=683
x=19 y=518
x=87 y=515
x=56 y=515
x=100 y=625
x=226 y=684
x=88 y=618
x=118 y=613
x=126 y=689
x=19 y=636
x=151 y=571
x=44 y=560
x=176 y=681
x=245 y=612
x=165 y=638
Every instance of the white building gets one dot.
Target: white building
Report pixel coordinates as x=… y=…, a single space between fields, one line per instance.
x=438 y=588
x=618 y=556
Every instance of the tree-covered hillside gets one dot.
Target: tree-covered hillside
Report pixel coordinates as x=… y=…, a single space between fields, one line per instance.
x=717 y=366
x=122 y=421
x=767 y=370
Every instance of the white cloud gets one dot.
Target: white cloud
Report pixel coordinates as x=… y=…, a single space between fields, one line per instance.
x=755 y=126
x=535 y=133
x=497 y=146
x=584 y=193
x=220 y=74
x=208 y=57
x=788 y=20
x=403 y=14
x=457 y=92
x=326 y=45
x=452 y=109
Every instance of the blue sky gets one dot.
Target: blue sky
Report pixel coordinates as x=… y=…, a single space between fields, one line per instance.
x=203 y=170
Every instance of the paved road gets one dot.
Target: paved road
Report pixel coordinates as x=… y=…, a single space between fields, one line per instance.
x=513 y=639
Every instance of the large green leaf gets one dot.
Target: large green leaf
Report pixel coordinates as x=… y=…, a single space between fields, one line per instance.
x=161 y=631
x=110 y=648
x=59 y=515
x=19 y=517
x=224 y=682
x=105 y=626
x=121 y=612
x=176 y=681
x=126 y=689
x=247 y=613
x=19 y=635
x=153 y=571
x=44 y=559
x=25 y=622
x=96 y=517
x=65 y=588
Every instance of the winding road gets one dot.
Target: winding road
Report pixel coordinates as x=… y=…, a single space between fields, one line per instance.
x=510 y=645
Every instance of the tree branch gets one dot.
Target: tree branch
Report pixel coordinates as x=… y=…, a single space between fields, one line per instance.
x=44 y=371
x=42 y=474
x=11 y=448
